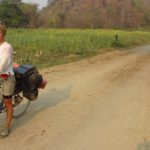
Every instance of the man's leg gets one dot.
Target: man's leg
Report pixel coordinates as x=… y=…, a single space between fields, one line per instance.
x=9 y=112
x=8 y=87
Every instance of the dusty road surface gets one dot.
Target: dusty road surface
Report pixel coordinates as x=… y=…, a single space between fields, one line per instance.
x=101 y=103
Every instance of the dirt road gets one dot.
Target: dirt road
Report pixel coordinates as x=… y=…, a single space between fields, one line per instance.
x=101 y=103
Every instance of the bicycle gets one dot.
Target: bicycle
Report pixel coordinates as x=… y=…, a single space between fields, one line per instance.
x=20 y=105
x=21 y=98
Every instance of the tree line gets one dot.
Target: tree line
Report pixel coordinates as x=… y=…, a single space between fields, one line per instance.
x=76 y=14
x=15 y=13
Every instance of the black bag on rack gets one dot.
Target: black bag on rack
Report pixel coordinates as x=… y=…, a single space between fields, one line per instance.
x=28 y=80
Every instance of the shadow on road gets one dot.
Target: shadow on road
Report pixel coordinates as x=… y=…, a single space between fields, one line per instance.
x=144 y=146
x=46 y=100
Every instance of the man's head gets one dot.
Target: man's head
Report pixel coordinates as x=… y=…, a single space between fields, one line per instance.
x=2 y=29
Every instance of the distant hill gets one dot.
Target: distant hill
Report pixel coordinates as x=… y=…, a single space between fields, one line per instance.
x=96 y=13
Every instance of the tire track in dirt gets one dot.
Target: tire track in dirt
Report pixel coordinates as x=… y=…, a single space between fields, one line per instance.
x=110 y=74
x=129 y=69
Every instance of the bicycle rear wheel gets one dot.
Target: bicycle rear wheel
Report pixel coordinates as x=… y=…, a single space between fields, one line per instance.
x=20 y=107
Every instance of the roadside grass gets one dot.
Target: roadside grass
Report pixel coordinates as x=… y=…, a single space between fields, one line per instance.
x=48 y=47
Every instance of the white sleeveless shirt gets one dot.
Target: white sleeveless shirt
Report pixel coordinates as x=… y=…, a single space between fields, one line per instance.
x=6 y=58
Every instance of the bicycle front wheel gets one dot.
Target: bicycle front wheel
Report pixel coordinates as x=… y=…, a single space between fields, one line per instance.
x=21 y=108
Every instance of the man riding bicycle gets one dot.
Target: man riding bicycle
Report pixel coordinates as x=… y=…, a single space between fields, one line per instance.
x=7 y=78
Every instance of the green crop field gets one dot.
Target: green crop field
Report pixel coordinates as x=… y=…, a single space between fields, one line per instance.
x=47 y=47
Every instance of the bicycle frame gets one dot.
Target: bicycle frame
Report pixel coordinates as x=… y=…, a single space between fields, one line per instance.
x=19 y=98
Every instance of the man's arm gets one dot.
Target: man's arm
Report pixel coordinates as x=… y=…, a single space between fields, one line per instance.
x=5 y=59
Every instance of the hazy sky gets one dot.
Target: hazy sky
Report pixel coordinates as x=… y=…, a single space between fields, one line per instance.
x=41 y=3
